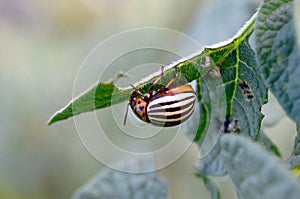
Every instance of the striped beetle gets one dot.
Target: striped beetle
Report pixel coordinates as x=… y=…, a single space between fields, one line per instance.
x=166 y=107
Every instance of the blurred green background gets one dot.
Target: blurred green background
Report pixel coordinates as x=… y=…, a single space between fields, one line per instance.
x=42 y=46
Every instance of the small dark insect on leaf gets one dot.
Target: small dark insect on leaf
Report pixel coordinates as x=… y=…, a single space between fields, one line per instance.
x=246 y=90
x=231 y=125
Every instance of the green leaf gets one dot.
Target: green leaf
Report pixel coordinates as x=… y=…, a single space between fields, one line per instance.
x=110 y=183
x=104 y=95
x=245 y=89
x=212 y=164
x=243 y=115
x=278 y=53
x=233 y=58
x=211 y=186
x=203 y=110
x=99 y=96
x=270 y=146
x=254 y=172
x=294 y=160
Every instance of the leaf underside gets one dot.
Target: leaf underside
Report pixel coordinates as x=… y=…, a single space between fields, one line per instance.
x=211 y=186
x=294 y=160
x=110 y=183
x=278 y=53
x=255 y=173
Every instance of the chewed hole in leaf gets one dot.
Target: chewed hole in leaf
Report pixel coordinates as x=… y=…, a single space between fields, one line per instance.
x=246 y=90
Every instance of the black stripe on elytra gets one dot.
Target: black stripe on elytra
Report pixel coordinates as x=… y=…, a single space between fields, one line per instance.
x=166 y=124
x=162 y=110
x=175 y=116
x=170 y=102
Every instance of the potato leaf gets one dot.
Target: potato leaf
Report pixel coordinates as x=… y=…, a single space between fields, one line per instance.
x=255 y=173
x=278 y=53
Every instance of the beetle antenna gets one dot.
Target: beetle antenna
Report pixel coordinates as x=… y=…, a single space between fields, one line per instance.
x=133 y=86
x=126 y=113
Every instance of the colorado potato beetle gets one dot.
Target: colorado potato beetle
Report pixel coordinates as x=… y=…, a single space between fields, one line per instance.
x=164 y=107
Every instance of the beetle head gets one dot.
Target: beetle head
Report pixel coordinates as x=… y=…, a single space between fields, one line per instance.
x=138 y=105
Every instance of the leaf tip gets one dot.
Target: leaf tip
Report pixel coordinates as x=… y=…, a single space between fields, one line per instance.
x=53 y=119
x=62 y=114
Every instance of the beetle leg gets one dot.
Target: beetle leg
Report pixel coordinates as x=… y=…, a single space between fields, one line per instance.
x=150 y=91
x=137 y=90
x=126 y=113
x=173 y=79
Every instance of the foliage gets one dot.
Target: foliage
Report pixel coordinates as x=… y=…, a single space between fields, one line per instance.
x=278 y=53
x=240 y=77
x=116 y=184
x=250 y=166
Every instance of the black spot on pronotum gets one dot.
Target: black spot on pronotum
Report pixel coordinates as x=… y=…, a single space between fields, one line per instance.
x=141 y=108
x=246 y=90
